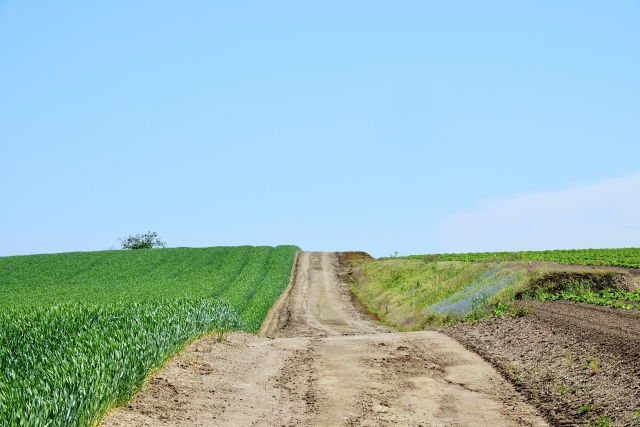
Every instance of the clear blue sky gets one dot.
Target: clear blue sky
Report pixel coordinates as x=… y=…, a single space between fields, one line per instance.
x=376 y=126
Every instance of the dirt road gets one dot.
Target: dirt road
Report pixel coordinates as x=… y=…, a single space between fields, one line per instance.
x=320 y=362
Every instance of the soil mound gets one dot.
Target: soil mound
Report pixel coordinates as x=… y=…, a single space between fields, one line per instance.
x=355 y=256
x=594 y=280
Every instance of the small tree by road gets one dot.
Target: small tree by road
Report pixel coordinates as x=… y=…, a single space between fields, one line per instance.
x=145 y=241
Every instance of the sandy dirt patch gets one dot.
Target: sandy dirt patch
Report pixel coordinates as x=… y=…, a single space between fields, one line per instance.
x=320 y=362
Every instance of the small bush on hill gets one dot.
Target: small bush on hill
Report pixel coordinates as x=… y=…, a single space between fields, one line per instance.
x=145 y=241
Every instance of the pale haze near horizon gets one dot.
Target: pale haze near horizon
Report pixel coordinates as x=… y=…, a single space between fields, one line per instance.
x=379 y=126
x=606 y=211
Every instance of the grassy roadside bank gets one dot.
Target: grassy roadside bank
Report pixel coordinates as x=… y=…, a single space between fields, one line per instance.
x=412 y=293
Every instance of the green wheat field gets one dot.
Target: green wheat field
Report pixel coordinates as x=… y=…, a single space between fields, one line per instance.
x=80 y=332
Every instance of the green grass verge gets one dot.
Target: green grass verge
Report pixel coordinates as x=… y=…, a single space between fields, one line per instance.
x=411 y=293
x=399 y=291
x=80 y=332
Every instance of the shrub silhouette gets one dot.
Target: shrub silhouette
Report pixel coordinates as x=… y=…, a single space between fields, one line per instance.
x=145 y=241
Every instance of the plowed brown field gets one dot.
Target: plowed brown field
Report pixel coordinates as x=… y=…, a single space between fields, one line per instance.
x=576 y=362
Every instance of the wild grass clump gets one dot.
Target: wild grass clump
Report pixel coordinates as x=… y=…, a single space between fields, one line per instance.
x=473 y=299
x=411 y=294
x=399 y=291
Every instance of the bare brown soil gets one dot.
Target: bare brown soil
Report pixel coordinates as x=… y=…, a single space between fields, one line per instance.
x=566 y=356
x=321 y=362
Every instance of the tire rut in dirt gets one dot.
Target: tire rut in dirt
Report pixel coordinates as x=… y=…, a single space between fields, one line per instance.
x=318 y=303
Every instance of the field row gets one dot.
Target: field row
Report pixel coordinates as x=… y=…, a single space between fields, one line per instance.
x=606 y=298
x=626 y=257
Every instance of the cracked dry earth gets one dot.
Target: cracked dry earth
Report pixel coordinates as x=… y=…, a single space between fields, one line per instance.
x=318 y=361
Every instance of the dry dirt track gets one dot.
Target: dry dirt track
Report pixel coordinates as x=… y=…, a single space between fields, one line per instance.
x=320 y=362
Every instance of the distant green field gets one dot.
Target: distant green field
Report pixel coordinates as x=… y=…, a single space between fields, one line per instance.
x=249 y=278
x=625 y=257
x=79 y=332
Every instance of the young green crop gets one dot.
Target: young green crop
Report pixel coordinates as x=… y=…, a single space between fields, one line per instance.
x=66 y=365
x=250 y=278
x=606 y=297
x=625 y=257
x=79 y=332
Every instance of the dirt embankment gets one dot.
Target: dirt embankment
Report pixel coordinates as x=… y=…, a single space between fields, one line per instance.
x=557 y=279
x=577 y=363
x=323 y=363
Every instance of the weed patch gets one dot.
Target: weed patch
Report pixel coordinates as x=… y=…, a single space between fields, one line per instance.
x=499 y=309
x=521 y=311
x=603 y=421
x=585 y=409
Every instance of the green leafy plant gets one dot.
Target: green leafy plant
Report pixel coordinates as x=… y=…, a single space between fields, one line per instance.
x=478 y=307
x=499 y=309
x=561 y=389
x=534 y=383
x=602 y=298
x=602 y=421
x=512 y=371
x=585 y=409
x=569 y=359
x=521 y=311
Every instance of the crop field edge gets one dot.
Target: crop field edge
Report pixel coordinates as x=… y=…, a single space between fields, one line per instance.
x=614 y=257
x=250 y=272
